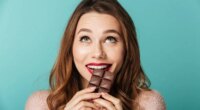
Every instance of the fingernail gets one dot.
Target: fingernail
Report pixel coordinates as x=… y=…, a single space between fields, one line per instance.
x=103 y=93
x=92 y=88
x=97 y=94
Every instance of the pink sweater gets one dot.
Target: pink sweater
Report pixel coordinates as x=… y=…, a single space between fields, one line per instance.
x=148 y=100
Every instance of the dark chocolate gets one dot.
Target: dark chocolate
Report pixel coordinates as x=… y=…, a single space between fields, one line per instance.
x=103 y=80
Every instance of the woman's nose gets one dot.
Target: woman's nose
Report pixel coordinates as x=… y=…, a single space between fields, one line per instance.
x=98 y=52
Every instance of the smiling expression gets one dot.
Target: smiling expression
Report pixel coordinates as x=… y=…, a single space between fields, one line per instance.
x=98 y=44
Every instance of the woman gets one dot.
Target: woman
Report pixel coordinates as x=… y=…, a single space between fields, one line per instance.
x=99 y=35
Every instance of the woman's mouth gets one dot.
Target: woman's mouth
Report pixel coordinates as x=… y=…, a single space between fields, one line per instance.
x=94 y=66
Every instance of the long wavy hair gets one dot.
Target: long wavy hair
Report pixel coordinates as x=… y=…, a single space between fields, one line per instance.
x=130 y=80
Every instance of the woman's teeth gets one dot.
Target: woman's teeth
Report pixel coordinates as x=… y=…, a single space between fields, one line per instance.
x=98 y=67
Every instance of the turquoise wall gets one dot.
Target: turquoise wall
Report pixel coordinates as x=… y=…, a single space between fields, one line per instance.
x=168 y=34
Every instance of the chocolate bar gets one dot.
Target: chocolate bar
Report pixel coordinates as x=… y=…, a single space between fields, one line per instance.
x=103 y=80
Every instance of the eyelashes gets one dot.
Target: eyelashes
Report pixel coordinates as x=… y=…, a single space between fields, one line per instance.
x=108 y=39
x=111 y=39
x=84 y=39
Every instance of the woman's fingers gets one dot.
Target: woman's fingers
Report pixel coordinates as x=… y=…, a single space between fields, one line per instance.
x=117 y=103
x=81 y=100
x=86 y=108
x=84 y=94
x=84 y=105
x=84 y=91
x=106 y=104
x=88 y=96
x=109 y=102
x=83 y=97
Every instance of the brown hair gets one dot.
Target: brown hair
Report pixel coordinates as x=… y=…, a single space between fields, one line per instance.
x=65 y=79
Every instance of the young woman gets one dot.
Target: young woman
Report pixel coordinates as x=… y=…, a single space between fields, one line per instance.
x=99 y=35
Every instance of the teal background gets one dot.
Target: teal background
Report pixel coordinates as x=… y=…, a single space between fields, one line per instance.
x=168 y=34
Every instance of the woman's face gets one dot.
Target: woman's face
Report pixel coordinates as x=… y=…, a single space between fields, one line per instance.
x=98 y=44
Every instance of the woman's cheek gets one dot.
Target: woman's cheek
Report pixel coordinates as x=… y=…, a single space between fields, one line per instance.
x=117 y=57
x=81 y=52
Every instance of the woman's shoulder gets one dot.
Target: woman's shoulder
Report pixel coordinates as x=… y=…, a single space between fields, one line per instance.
x=37 y=101
x=151 y=100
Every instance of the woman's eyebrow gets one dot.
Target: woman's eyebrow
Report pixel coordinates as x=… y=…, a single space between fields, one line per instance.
x=105 y=32
x=112 y=31
x=84 y=29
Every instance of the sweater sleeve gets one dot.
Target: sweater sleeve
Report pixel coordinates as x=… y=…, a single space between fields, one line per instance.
x=151 y=100
x=37 y=101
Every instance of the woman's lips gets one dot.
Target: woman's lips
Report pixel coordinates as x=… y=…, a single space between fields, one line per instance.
x=90 y=70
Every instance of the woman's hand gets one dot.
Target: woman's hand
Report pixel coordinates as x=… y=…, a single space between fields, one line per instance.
x=80 y=100
x=109 y=102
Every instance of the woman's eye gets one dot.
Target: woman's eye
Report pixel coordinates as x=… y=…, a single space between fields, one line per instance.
x=111 y=39
x=84 y=39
